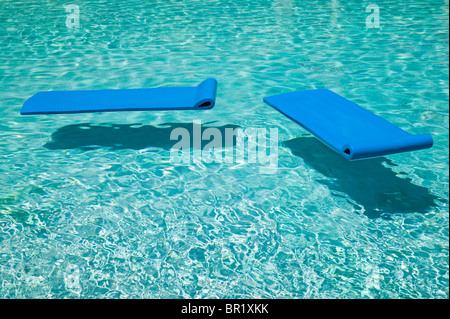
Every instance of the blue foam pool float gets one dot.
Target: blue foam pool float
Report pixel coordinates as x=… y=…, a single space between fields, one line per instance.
x=346 y=127
x=202 y=96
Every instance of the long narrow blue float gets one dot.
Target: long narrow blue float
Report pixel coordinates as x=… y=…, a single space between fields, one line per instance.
x=202 y=96
x=346 y=127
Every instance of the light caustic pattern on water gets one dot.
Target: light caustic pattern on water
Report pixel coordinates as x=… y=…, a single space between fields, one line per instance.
x=92 y=206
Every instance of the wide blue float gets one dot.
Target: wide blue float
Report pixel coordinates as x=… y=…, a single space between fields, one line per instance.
x=346 y=127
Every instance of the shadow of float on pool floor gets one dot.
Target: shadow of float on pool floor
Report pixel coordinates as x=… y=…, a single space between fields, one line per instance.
x=370 y=183
x=89 y=136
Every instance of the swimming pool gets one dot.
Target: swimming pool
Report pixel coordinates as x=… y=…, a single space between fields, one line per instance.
x=93 y=205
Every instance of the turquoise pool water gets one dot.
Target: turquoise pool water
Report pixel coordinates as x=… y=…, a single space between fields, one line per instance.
x=92 y=206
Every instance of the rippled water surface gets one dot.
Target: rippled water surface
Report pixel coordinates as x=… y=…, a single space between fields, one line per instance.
x=93 y=206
